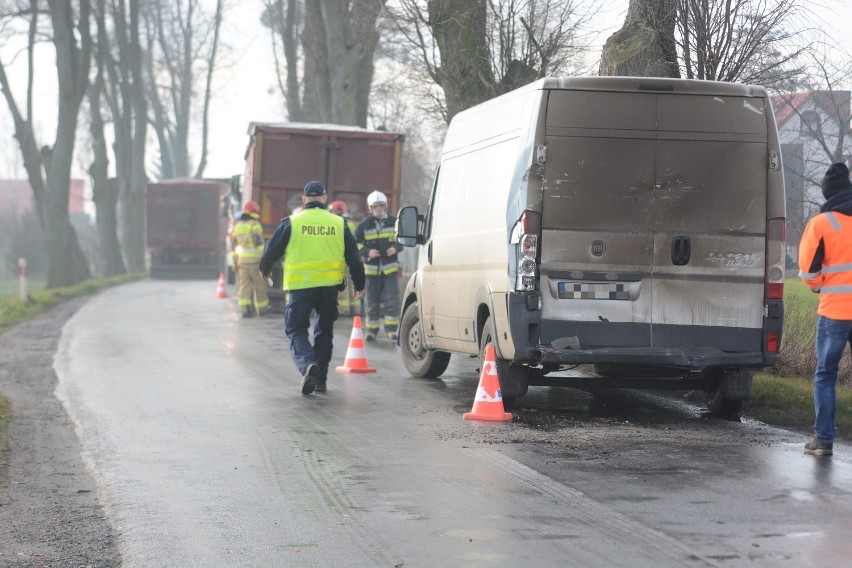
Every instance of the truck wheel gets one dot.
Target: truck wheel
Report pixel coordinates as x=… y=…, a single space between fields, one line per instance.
x=418 y=360
x=514 y=381
x=727 y=391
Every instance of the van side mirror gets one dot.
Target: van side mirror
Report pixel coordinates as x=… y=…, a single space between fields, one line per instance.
x=407 y=225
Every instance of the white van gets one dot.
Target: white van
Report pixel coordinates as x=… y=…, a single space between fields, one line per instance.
x=635 y=224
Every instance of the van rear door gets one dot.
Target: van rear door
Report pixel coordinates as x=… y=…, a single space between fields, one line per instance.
x=654 y=220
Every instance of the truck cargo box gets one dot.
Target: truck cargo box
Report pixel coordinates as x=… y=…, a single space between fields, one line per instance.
x=186 y=227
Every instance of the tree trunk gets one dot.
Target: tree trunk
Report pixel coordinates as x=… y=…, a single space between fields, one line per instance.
x=104 y=194
x=317 y=100
x=460 y=30
x=291 y=55
x=351 y=39
x=134 y=228
x=645 y=45
x=68 y=264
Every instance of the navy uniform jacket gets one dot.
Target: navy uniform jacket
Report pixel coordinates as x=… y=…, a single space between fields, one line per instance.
x=277 y=245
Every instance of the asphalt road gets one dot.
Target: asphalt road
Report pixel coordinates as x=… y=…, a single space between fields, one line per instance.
x=206 y=454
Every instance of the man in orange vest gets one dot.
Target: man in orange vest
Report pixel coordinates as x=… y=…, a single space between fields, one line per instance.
x=825 y=264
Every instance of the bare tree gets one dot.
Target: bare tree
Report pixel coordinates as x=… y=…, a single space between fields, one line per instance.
x=747 y=41
x=645 y=45
x=183 y=43
x=49 y=167
x=119 y=45
x=730 y=40
x=105 y=193
x=324 y=56
x=475 y=50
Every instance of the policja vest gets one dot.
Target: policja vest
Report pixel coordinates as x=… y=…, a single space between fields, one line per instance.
x=314 y=256
x=826 y=253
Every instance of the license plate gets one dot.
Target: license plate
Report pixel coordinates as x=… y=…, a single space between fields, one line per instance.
x=593 y=291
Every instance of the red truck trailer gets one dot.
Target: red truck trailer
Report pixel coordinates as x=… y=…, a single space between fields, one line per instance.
x=187 y=227
x=352 y=162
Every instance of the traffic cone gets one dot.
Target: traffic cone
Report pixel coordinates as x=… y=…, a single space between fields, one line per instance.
x=485 y=405
x=221 y=292
x=356 y=354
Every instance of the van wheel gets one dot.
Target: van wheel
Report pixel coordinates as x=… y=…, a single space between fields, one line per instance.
x=727 y=390
x=418 y=360
x=514 y=381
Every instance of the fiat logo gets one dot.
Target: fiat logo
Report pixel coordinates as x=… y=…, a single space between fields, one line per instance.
x=598 y=248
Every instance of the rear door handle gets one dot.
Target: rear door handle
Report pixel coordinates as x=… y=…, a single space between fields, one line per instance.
x=681 y=250
x=429 y=250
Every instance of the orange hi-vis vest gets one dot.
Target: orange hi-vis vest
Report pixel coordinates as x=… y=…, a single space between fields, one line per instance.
x=825 y=263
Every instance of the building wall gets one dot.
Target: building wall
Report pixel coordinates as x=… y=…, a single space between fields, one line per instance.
x=16 y=198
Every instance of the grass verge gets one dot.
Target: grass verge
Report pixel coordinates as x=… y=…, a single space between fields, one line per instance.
x=13 y=310
x=789 y=402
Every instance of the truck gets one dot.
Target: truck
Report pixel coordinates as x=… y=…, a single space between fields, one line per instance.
x=352 y=162
x=187 y=224
x=635 y=225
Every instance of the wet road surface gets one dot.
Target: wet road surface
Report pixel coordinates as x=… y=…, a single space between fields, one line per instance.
x=206 y=454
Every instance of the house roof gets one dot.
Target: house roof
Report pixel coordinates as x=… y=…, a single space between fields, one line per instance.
x=831 y=102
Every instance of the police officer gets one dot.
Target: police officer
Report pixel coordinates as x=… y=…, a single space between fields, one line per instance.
x=825 y=264
x=246 y=245
x=317 y=246
x=376 y=236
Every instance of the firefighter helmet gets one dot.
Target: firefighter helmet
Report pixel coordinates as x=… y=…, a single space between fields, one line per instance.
x=252 y=208
x=377 y=198
x=338 y=208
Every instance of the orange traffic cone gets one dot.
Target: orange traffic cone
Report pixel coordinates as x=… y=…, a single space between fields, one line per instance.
x=356 y=354
x=485 y=405
x=221 y=292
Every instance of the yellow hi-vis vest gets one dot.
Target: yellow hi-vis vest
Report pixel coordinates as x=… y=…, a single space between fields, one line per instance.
x=248 y=240
x=314 y=256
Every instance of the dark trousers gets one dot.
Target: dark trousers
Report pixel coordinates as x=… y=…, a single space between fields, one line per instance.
x=382 y=289
x=297 y=323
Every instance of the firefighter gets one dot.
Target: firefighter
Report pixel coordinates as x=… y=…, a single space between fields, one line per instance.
x=317 y=246
x=246 y=245
x=376 y=236
x=825 y=264
x=345 y=300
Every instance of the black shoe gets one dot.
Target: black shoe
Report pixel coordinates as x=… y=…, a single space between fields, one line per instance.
x=248 y=314
x=817 y=448
x=309 y=383
x=370 y=336
x=320 y=388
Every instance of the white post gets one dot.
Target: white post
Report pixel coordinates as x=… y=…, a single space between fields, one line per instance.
x=22 y=278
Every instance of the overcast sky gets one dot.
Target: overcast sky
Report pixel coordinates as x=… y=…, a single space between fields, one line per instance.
x=246 y=88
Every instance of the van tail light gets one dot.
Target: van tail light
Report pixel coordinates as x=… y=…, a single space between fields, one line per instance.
x=776 y=248
x=525 y=236
x=773 y=342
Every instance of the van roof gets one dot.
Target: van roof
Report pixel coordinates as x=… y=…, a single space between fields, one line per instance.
x=652 y=84
x=633 y=84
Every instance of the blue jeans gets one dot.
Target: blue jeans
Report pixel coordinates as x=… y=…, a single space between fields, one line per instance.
x=297 y=323
x=832 y=337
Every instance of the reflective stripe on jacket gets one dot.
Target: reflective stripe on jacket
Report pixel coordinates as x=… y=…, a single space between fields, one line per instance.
x=314 y=254
x=825 y=263
x=378 y=234
x=247 y=241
